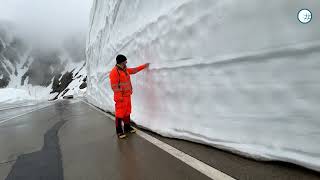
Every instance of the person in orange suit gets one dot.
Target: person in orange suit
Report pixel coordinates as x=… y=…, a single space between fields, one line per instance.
x=122 y=89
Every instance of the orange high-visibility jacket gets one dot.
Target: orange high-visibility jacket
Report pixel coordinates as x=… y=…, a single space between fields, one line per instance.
x=120 y=80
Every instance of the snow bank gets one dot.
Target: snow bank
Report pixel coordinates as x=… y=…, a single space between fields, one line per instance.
x=11 y=95
x=242 y=76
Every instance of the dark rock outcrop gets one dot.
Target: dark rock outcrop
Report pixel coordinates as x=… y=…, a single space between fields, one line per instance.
x=83 y=85
x=4 y=81
x=5 y=76
x=85 y=79
x=1 y=46
x=60 y=85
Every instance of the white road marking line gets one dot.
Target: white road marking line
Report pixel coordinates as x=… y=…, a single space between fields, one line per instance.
x=16 y=107
x=189 y=160
x=1 y=122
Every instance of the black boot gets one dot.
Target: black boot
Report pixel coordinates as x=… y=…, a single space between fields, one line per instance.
x=119 y=130
x=120 y=133
x=128 y=128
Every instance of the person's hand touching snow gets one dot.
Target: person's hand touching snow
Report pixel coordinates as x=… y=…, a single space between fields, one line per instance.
x=147 y=65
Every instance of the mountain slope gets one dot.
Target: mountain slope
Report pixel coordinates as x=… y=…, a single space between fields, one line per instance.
x=35 y=69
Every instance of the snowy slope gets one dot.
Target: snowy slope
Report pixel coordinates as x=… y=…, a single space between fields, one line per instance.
x=73 y=89
x=30 y=71
x=238 y=75
x=9 y=95
x=38 y=92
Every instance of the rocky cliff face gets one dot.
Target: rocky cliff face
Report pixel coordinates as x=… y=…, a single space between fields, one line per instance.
x=22 y=65
x=11 y=50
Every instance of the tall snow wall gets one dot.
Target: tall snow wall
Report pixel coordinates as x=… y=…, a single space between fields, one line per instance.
x=237 y=75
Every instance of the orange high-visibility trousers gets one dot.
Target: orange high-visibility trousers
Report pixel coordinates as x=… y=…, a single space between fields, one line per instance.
x=123 y=108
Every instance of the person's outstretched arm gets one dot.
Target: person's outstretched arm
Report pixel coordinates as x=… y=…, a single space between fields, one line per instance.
x=137 y=69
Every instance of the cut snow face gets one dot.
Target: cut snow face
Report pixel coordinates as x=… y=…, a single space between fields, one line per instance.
x=242 y=76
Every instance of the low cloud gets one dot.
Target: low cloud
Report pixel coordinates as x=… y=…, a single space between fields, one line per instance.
x=45 y=22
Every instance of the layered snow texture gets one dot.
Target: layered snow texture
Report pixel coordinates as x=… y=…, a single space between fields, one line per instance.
x=237 y=75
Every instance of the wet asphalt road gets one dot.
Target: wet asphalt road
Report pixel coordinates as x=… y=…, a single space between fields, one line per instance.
x=71 y=140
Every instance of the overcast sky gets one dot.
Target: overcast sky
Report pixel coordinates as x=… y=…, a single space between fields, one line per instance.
x=47 y=20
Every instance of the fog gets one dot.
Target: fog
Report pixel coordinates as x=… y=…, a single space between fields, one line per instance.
x=46 y=23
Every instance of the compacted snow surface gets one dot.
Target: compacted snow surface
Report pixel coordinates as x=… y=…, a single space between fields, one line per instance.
x=10 y=95
x=237 y=75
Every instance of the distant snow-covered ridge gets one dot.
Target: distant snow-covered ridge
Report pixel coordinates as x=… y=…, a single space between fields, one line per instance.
x=241 y=76
x=33 y=70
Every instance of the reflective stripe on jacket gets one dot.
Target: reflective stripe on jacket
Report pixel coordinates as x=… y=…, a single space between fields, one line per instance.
x=120 y=80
